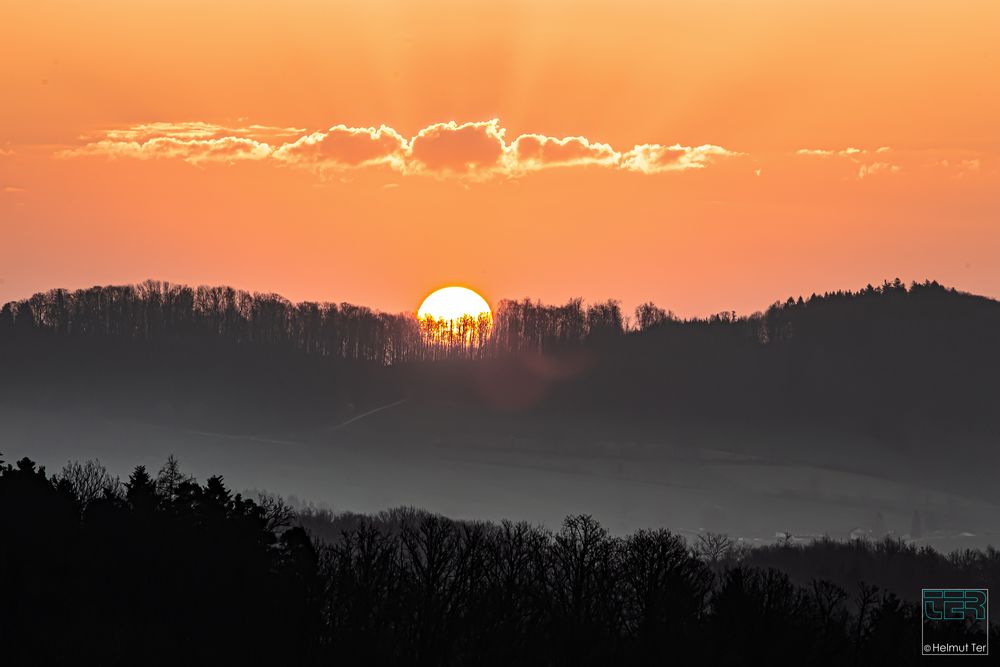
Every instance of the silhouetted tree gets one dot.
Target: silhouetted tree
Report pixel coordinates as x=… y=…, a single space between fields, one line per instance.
x=179 y=572
x=88 y=481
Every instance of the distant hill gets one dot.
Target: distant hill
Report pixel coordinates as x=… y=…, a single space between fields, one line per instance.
x=883 y=358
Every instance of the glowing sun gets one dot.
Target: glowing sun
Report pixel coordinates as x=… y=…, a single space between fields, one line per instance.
x=452 y=304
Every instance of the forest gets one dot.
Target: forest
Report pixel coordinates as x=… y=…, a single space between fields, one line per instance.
x=890 y=360
x=155 y=310
x=161 y=569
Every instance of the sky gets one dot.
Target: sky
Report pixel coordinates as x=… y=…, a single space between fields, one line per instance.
x=704 y=155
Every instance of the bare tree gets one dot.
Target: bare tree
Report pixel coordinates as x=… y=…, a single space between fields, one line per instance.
x=865 y=601
x=89 y=481
x=713 y=548
x=827 y=597
x=277 y=513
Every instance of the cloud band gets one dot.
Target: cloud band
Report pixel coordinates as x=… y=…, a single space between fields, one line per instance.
x=475 y=150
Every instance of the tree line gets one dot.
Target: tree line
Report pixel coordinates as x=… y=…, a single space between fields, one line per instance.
x=160 y=569
x=155 y=310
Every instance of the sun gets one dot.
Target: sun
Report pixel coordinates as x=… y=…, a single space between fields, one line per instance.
x=455 y=318
x=452 y=304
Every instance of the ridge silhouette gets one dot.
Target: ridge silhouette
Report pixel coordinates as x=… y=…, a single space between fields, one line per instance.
x=912 y=367
x=164 y=570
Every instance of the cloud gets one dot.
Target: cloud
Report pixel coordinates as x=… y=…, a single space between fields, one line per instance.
x=346 y=147
x=473 y=150
x=11 y=189
x=195 y=151
x=846 y=152
x=537 y=151
x=819 y=152
x=192 y=141
x=195 y=130
x=477 y=151
x=958 y=167
x=969 y=165
x=867 y=170
x=655 y=158
x=470 y=148
x=856 y=156
x=860 y=163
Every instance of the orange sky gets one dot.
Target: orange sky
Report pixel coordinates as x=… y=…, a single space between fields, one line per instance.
x=706 y=155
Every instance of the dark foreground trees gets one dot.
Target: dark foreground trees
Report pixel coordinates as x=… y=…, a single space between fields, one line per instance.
x=146 y=573
x=163 y=570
